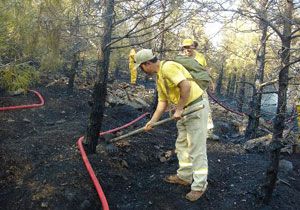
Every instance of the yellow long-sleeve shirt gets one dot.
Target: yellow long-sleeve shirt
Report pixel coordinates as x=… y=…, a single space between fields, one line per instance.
x=170 y=74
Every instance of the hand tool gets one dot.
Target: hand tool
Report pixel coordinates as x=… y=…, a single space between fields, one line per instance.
x=139 y=130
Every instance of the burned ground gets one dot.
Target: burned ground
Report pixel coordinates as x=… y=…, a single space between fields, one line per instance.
x=41 y=167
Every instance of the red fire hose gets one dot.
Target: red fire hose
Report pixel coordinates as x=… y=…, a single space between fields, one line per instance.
x=88 y=165
x=92 y=174
x=222 y=105
x=289 y=120
x=42 y=102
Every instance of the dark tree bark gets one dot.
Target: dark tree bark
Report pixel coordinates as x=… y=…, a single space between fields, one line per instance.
x=229 y=85
x=278 y=126
x=117 y=71
x=162 y=28
x=241 y=94
x=220 y=81
x=161 y=54
x=100 y=88
x=255 y=109
x=233 y=84
x=74 y=69
x=75 y=57
x=236 y=89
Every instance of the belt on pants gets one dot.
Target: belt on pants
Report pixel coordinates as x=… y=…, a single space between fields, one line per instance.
x=200 y=98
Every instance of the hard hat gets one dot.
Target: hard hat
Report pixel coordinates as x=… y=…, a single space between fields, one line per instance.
x=142 y=56
x=187 y=42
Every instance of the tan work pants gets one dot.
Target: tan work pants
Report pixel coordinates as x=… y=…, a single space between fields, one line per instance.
x=210 y=123
x=191 y=147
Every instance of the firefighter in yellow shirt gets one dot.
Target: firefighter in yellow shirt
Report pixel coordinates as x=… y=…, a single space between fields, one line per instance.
x=133 y=71
x=199 y=56
x=174 y=86
x=189 y=49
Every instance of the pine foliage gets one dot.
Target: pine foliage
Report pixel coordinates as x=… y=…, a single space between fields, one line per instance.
x=14 y=77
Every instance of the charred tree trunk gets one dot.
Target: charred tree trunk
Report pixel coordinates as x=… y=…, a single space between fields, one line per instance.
x=228 y=85
x=220 y=81
x=100 y=91
x=255 y=108
x=117 y=71
x=233 y=84
x=75 y=58
x=74 y=69
x=161 y=54
x=278 y=126
x=162 y=28
x=241 y=95
x=236 y=89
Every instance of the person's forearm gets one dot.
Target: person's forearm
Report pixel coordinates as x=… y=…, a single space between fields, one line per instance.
x=184 y=87
x=160 y=109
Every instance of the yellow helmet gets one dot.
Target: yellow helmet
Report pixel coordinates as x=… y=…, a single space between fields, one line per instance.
x=187 y=42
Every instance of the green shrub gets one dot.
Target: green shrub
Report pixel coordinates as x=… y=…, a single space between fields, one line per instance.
x=14 y=77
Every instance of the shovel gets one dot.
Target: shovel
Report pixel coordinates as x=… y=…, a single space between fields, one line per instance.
x=153 y=125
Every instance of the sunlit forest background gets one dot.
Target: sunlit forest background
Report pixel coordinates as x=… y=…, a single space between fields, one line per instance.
x=43 y=37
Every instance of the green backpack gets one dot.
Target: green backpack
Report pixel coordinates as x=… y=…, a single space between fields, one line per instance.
x=200 y=75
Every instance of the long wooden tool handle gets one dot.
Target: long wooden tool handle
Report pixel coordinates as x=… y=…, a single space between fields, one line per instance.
x=154 y=124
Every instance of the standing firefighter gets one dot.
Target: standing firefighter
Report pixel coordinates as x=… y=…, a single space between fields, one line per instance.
x=133 y=71
x=189 y=49
x=174 y=86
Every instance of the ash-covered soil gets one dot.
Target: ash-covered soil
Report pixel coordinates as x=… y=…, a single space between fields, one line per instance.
x=41 y=168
